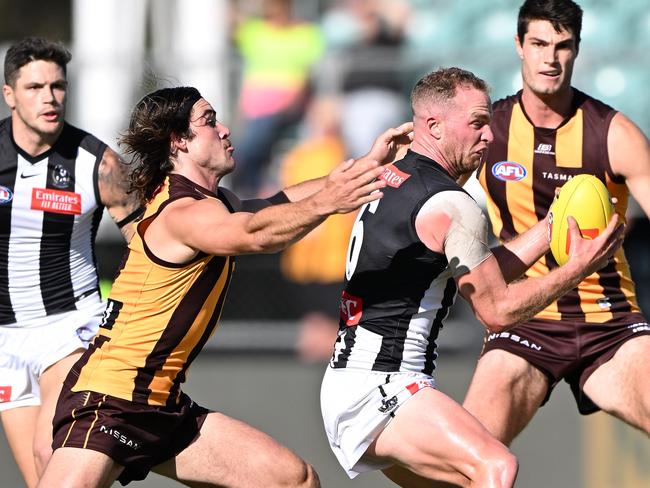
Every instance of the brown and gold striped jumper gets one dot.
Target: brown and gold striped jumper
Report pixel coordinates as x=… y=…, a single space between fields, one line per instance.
x=159 y=314
x=523 y=167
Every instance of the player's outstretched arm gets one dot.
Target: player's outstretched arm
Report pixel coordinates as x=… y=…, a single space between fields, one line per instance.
x=188 y=226
x=392 y=144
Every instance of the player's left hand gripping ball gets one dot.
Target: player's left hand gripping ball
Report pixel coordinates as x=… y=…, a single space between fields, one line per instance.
x=586 y=199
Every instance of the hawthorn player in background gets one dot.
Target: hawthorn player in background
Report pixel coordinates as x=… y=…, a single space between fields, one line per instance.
x=55 y=181
x=594 y=337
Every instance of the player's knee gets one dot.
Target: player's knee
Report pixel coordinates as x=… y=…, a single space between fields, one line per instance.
x=290 y=471
x=301 y=475
x=309 y=477
x=495 y=466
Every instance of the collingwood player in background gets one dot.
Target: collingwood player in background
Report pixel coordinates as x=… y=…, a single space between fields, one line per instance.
x=55 y=181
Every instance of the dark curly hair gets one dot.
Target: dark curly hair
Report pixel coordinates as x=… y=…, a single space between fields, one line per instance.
x=33 y=49
x=154 y=120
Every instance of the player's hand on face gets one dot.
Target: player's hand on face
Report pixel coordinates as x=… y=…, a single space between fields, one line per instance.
x=350 y=185
x=392 y=144
x=595 y=253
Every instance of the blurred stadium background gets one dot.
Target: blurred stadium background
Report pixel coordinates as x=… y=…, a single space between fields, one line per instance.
x=125 y=48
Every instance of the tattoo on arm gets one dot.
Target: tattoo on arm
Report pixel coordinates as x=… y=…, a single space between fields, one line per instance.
x=113 y=184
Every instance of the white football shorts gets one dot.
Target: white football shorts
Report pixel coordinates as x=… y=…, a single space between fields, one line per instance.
x=357 y=405
x=28 y=349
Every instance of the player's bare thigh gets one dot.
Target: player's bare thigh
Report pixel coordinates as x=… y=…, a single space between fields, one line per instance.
x=229 y=452
x=621 y=386
x=435 y=438
x=73 y=467
x=505 y=393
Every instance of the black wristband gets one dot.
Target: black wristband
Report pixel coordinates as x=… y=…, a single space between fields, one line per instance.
x=278 y=198
x=131 y=217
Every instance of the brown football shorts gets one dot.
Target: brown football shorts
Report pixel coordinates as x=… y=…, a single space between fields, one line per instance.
x=134 y=435
x=568 y=350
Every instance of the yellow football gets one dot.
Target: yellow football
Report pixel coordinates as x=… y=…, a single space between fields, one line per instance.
x=586 y=199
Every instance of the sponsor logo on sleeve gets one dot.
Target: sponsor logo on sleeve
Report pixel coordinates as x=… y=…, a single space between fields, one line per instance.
x=57 y=201
x=351 y=309
x=393 y=176
x=508 y=171
x=6 y=195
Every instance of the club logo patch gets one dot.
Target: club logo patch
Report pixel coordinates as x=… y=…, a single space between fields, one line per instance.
x=60 y=176
x=508 y=171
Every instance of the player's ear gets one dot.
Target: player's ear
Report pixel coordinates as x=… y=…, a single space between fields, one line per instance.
x=177 y=143
x=8 y=94
x=433 y=124
x=519 y=47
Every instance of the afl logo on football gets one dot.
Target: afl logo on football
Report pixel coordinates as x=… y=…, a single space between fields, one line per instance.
x=60 y=176
x=509 y=171
x=5 y=195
